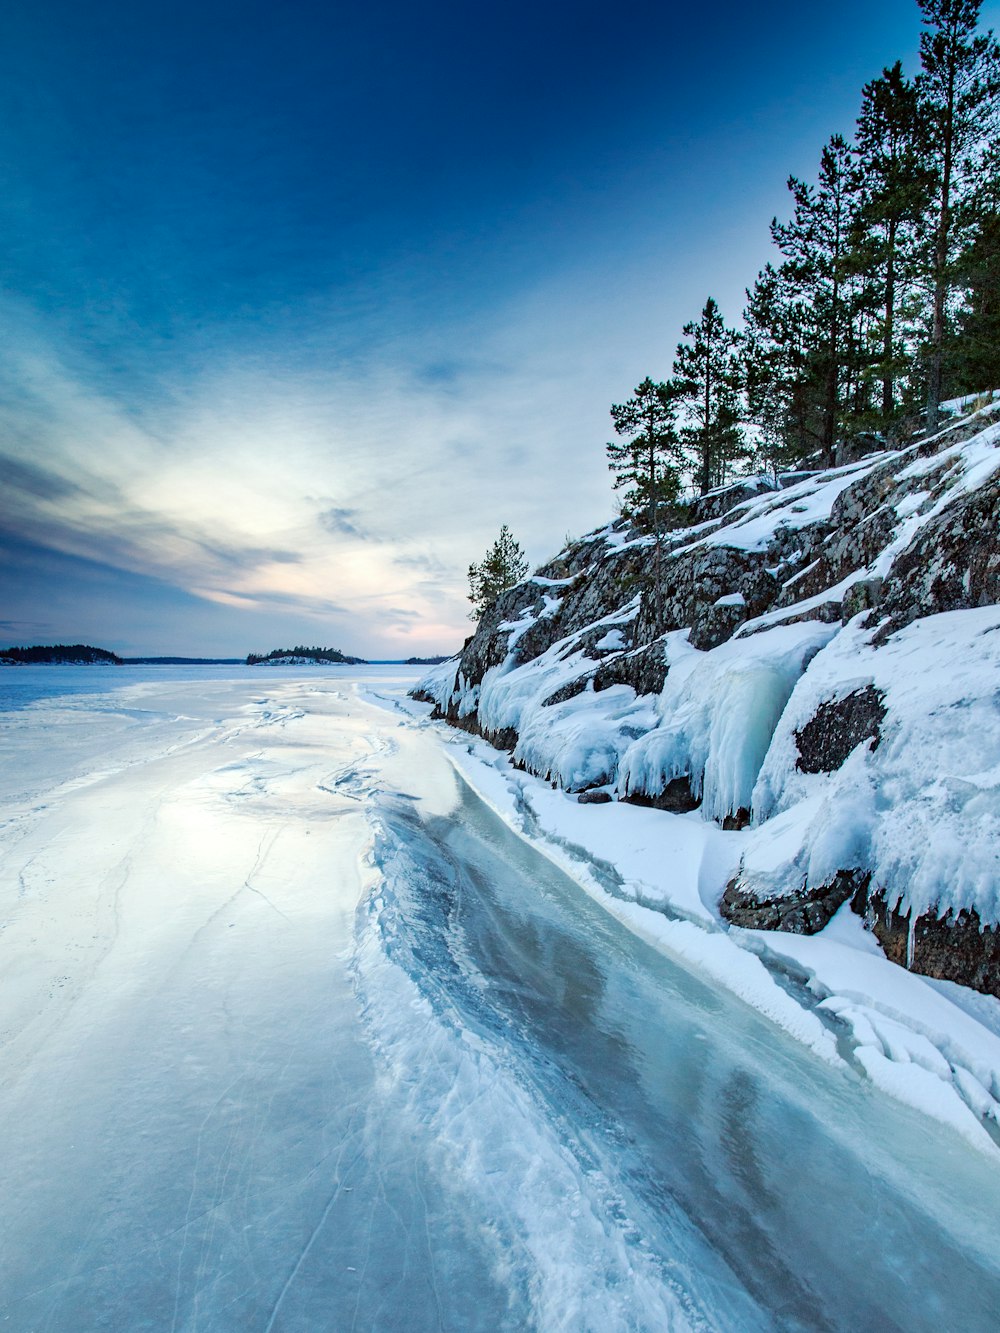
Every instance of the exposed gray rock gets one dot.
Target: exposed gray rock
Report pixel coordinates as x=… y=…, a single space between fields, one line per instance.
x=863 y=595
x=715 y=624
x=568 y=691
x=953 y=563
x=827 y=613
x=504 y=739
x=719 y=503
x=588 y=600
x=951 y=948
x=736 y=820
x=693 y=581
x=838 y=727
x=676 y=796
x=596 y=797
x=644 y=670
x=802 y=913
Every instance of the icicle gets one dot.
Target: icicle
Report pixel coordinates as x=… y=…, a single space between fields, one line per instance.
x=910 y=933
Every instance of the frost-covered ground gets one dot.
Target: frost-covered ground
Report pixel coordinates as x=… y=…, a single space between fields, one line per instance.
x=298 y=1034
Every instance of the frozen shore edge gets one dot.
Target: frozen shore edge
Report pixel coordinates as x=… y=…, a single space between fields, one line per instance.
x=933 y=1046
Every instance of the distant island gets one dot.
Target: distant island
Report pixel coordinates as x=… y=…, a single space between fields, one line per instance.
x=68 y=654
x=82 y=654
x=300 y=656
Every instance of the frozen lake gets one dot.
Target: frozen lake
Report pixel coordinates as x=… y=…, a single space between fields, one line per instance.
x=297 y=1035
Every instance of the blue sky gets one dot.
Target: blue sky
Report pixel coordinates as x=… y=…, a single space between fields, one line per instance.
x=301 y=302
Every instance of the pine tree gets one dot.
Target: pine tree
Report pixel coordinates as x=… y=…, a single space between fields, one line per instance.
x=774 y=357
x=707 y=379
x=975 y=354
x=503 y=565
x=647 y=460
x=895 y=193
x=958 y=87
x=817 y=246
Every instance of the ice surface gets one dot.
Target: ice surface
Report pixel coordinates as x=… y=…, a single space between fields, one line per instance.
x=605 y=1023
x=297 y=1035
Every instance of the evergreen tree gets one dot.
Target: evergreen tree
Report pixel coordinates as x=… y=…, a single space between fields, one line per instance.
x=817 y=272
x=975 y=353
x=889 y=279
x=895 y=193
x=503 y=565
x=647 y=460
x=707 y=379
x=774 y=358
x=958 y=87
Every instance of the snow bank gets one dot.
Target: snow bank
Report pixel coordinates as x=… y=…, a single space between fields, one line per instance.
x=577 y=741
x=922 y=810
x=438 y=682
x=913 y=1041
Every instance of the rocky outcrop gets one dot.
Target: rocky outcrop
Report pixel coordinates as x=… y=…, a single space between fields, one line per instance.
x=955 y=947
x=726 y=499
x=868 y=549
x=696 y=584
x=838 y=727
x=676 y=796
x=802 y=913
x=953 y=563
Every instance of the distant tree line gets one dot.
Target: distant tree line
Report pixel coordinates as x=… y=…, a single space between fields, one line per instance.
x=883 y=300
x=60 y=652
x=316 y=654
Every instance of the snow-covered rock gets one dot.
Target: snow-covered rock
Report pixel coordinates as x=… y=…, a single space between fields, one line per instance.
x=817 y=656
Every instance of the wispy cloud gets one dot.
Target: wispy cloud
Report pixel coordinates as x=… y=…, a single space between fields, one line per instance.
x=23 y=626
x=356 y=493
x=341 y=522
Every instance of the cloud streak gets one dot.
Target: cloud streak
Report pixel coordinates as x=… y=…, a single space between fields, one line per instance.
x=357 y=497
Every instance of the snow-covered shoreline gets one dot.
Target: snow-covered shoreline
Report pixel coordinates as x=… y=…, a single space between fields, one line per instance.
x=804 y=701
x=933 y=1045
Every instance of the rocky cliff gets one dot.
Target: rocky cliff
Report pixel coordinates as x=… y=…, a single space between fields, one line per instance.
x=814 y=658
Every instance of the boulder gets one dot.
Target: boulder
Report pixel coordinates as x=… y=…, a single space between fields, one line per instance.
x=955 y=947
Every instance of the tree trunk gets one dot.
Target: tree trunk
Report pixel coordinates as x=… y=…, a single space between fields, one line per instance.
x=654 y=516
x=833 y=372
x=832 y=382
